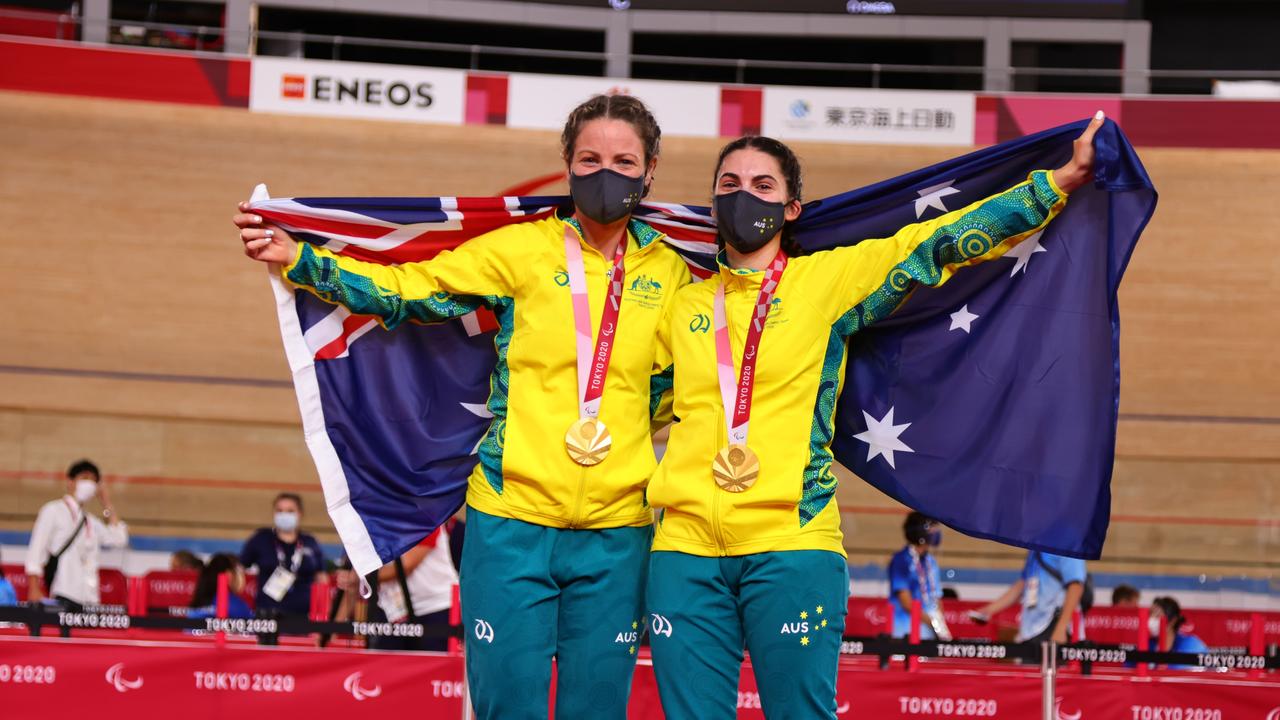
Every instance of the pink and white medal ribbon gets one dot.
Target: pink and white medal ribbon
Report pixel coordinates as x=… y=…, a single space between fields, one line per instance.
x=588 y=440
x=737 y=467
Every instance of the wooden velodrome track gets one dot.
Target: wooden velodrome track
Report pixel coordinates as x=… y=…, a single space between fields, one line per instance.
x=136 y=333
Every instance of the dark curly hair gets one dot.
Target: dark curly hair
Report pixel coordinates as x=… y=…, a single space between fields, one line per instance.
x=790 y=165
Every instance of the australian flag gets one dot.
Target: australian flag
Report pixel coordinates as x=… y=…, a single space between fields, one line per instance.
x=989 y=403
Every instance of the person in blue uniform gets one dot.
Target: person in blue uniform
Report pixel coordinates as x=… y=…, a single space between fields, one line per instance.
x=914 y=575
x=1177 y=636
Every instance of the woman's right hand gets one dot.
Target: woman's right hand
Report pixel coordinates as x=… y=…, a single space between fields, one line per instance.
x=264 y=241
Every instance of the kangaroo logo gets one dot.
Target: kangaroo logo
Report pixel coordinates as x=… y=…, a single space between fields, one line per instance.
x=352 y=685
x=661 y=625
x=700 y=323
x=646 y=284
x=118 y=682
x=484 y=631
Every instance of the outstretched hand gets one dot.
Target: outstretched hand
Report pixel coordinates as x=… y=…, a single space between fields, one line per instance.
x=264 y=241
x=1079 y=170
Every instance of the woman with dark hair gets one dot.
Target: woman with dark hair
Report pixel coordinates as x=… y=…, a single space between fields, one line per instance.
x=558 y=530
x=204 y=601
x=748 y=549
x=1174 y=636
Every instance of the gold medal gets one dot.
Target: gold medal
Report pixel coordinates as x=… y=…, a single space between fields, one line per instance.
x=588 y=441
x=736 y=468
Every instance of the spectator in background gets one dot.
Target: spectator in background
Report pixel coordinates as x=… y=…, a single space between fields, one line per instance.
x=8 y=595
x=66 y=541
x=1125 y=596
x=288 y=561
x=950 y=593
x=204 y=601
x=1175 y=638
x=1050 y=588
x=426 y=572
x=182 y=560
x=914 y=575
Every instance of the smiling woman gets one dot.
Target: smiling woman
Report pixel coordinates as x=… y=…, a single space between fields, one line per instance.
x=751 y=553
x=557 y=521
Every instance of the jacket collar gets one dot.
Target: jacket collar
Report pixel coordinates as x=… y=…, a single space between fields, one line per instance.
x=738 y=278
x=640 y=235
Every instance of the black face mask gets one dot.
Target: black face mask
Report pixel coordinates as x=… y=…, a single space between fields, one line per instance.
x=746 y=222
x=606 y=196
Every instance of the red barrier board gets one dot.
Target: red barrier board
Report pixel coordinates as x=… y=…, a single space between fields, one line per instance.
x=143 y=680
x=1148 y=121
x=112 y=586
x=874 y=616
x=74 y=69
x=37 y=23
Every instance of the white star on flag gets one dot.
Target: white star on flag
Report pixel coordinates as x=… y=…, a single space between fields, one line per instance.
x=962 y=319
x=1022 y=252
x=479 y=410
x=931 y=197
x=881 y=437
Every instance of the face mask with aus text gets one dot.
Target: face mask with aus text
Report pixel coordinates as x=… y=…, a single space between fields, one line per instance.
x=605 y=195
x=746 y=222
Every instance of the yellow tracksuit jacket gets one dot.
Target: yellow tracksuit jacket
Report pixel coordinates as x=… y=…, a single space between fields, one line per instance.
x=823 y=299
x=519 y=273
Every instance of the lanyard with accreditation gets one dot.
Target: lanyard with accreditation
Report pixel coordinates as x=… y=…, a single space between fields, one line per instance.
x=737 y=467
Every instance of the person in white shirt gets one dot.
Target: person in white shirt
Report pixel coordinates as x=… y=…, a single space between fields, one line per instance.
x=64 y=529
x=430 y=576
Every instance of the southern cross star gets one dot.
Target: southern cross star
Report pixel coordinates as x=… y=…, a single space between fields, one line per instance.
x=881 y=437
x=479 y=410
x=1022 y=252
x=931 y=197
x=962 y=319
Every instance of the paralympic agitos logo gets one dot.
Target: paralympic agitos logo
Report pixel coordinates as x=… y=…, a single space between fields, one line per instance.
x=377 y=92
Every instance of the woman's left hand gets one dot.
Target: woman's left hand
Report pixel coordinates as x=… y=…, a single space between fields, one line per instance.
x=1079 y=170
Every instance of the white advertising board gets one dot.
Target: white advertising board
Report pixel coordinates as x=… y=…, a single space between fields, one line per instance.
x=544 y=101
x=357 y=90
x=869 y=116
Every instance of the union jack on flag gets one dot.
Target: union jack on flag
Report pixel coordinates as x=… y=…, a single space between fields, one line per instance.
x=1003 y=429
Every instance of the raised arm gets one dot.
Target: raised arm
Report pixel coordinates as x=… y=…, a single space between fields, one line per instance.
x=449 y=285
x=868 y=281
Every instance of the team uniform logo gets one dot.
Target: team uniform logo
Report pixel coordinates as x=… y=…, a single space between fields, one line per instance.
x=699 y=323
x=660 y=625
x=630 y=638
x=483 y=631
x=807 y=625
x=646 y=292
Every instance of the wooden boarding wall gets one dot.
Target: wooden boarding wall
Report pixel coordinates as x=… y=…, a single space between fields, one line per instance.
x=136 y=333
